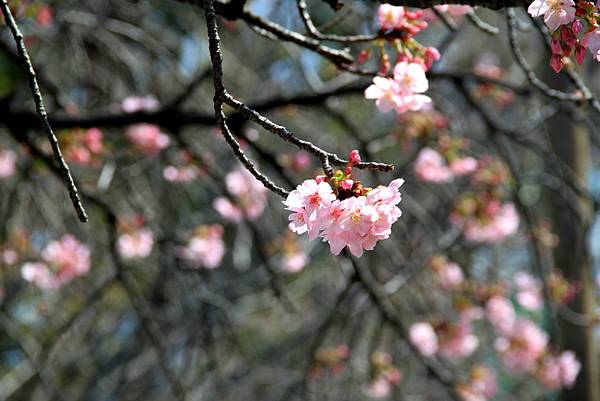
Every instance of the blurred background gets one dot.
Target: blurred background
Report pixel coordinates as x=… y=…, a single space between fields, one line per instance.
x=186 y=283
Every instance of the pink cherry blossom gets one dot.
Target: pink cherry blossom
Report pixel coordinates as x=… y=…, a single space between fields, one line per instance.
x=592 y=42
x=482 y=385
x=424 y=338
x=529 y=291
x=457 y=341
x=403 y=93
x=294 y=262
x=390 y=17
x=463 y=166
x=521 y=347
x=558 y=371
x=450 y=275
x=63 y=261
x=248 y=195
x=454 y=10
x=386 y=92
x=501 y=313
x=147 y=138
x=8 y=163
x=135 y=104
x=555 y=12
x=430 y=166
x=184 y=174
x=379 y=388
x=228 y=210
x=136 y=244
x=205 y=248
x=503 y=223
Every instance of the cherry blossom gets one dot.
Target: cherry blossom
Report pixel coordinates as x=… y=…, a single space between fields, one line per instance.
x=403 y=92
x=422 y=335
x=481 y=386
x=456 y=340
x=385 y=375
x=391 y=17
x=8 y=163
x=294 y=262
x=147 y=138
x=135 y=104
x=248 y=197
x=529 y=292
x=136 y=244
x=431 y=167
x=558 y=371
x=522 y=346
x=501 y=313
x=555 y=12
x=63 y=260
x=205 y=248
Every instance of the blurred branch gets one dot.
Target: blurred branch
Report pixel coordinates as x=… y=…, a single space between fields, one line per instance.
x=63 y=168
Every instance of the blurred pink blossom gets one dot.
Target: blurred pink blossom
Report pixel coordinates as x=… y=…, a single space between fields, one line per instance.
x=521 y=346
x=529 y=291
x=424 y=338
x=63 y=261
x=205 y=248
x=501 y=313
x=135 y=103
x=136 y=244
x=431 y=166
x=147 y=138
x=8 y=163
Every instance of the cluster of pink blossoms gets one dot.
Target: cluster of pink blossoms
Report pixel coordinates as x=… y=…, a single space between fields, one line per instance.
x=205 y=248
x=135 y=104
x=481 y=386
x=488 y=66
x=384 y=375
x=403 y=92
x=83 y=146
x=574 y=28
x=8 y=163
x=248 y=197
x=63 y=260
x=136 y=240
x=185 y=172
x=431 y=166
x=344 y=213
x=147 y=138
x=293 y=257
x=449 y=274
x=524 y=347
x=482 y=214
x=451 y=340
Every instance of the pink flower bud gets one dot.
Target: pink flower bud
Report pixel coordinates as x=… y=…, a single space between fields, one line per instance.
x=347 y=184
x=577 y=26
x=431 y=55
x=354 y=157
x=580 y=54
x=320 y=178
x=556 y=63
x=555 y=46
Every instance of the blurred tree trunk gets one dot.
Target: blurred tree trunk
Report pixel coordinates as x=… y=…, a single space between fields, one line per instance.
x=570 y=140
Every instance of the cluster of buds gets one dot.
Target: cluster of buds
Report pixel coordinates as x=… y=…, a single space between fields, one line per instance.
x=562 y=290
x=330 y=360
x=422 y=125
x=574 y=29
x=384 y=375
